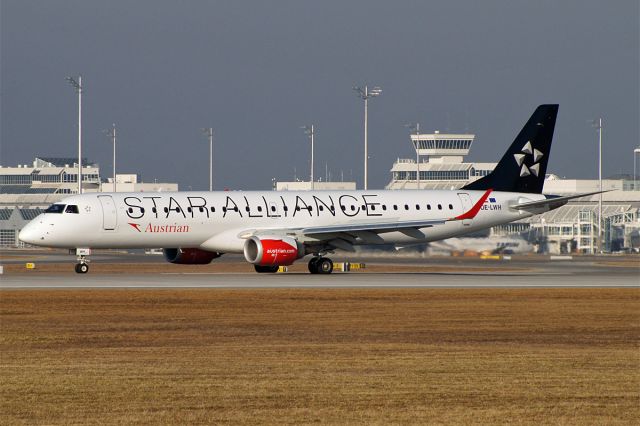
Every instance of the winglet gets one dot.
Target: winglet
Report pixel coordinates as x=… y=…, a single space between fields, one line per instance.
x=476 y=207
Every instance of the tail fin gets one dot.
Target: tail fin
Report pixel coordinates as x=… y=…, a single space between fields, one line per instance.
x=523 y=167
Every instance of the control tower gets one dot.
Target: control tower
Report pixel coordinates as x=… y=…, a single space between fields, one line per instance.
x=442 y=148
x=438 y=164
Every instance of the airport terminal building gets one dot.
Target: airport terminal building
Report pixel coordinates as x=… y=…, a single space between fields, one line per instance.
x=26 y=190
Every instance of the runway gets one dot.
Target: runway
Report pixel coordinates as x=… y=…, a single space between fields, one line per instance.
x=336 y=280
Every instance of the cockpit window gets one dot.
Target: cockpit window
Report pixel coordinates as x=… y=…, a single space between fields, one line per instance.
x=55 y=208
x=71 y=209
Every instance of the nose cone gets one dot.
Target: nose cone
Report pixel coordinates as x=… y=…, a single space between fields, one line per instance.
x=31 y=233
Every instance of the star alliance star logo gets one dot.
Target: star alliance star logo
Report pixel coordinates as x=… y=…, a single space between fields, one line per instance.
x=520 y=159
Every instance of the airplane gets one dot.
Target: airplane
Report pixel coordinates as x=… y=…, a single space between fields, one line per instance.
x=276 y=228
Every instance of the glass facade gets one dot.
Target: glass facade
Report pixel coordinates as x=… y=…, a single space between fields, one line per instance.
x=443 y=144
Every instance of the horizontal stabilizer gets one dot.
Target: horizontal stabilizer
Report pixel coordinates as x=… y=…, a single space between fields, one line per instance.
x=553 y=202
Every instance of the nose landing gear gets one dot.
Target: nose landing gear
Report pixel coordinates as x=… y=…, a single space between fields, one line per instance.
x=82 y=267
x=320 y=265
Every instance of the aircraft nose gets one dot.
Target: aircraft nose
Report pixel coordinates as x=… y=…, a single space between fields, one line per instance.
x=31 y=233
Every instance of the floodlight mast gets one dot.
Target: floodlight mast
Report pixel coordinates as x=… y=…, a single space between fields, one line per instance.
x=364 y=93
x=112 y=135
x=310 y=131
x=78 y=86
x=416 y=127
x=598 y=125
x=209 y=133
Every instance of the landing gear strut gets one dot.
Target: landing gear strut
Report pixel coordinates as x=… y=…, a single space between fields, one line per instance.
x=320 y=265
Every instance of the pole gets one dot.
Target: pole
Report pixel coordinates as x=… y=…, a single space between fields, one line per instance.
x=209 y=133
x=79 y=134
x=312 y=140
x=366 y=147
x=113 y=135
x=418 y=155
x=210 y=159
x=635 y=174
x=600 y=179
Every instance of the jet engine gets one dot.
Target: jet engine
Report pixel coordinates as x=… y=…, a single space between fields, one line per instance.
x=189 y=256
x=272 y=250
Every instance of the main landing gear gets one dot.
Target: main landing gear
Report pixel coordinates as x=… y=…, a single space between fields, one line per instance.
x=266 y=269
x=320 y=265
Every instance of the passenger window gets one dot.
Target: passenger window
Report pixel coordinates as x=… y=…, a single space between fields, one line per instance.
x=373 y=208
x=273 y=208
x=166 y=210
x=247 y=209
x=200 y=209
x=450 y=206
x=213 y=209
x=286 y=209
x=224 y=209
x=189 y=209
x=153 y=209
x=310 y=208
x=406 y=207
x=439 y=206
x=428 y=206
x=130 y=210
x=384 y=207
x=321 y=208
x=259 y=208
x=71 y=209
x=417 y=206
x=395 y=207
x=353 y=208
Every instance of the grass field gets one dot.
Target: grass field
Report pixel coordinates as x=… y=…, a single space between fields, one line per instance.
x=564 y=356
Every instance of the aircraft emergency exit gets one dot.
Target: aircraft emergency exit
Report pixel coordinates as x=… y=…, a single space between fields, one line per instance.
x=277 y=228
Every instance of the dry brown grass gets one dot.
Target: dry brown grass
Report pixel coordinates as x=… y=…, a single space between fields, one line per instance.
x=320 y=356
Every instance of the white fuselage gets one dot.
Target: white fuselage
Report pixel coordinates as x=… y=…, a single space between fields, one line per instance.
x=221 y=221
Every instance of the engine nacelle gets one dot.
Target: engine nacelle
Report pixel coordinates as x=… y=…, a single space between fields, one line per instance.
x=189 y=256
x=272 y=250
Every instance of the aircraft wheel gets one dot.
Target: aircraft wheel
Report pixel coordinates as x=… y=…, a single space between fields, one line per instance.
x=82 y=268
x=324 y=265
x=313 y=265
x=266 y=269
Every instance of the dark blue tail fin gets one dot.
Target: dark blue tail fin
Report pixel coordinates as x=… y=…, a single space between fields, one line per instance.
x=523 y=167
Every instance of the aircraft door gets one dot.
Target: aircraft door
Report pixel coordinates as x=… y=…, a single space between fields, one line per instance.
x=467 y=204
x=109 y=216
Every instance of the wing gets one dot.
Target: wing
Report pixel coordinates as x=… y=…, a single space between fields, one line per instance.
x=343 y=236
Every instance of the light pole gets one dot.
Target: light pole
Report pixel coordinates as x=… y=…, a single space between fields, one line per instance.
x=635 y=174
x=78 y=86
x=310 y=131
x=598 y=125
x=364 y=93
x=209 y=133
x=416 y=127
x=112 y=134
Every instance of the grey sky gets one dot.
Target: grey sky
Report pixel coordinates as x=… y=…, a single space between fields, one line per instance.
x=257 y=71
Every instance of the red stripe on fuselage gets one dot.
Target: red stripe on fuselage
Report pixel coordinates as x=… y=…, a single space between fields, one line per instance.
x=476 y=208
